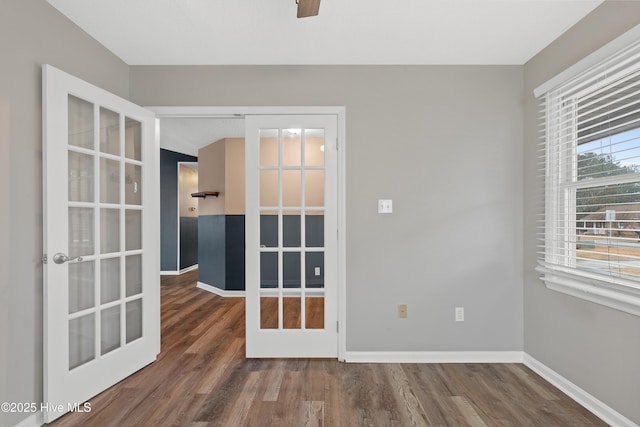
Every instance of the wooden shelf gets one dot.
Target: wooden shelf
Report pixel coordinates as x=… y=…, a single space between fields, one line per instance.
x=204 y=194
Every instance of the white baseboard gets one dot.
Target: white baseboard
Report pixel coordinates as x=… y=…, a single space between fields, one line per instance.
x=169 y=273
x=591 y=403
x=219 y=292
x=178 y=272
x=186 y=270
x=35 y=420
x=433 y=357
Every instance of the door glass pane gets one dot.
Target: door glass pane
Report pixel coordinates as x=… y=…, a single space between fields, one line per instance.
x=109 y=230
x=81 y=340
x=109 y=329
x=81 y=286
x=132 y=139
x=109 y=280
x=314 y=312
x=133 y=219
x=314 y=269
x=291 y=147
x=268 y=188
x=314 y=229
x=81 y=235
x=134 y=320
x=291 y=312
x=291 y=269
x=132 y=184
x=109 y=132
x=314 y=147
x=269 y=229
x=269 y=147
x=80 y=177
x=291 y=185
x=268 y=312
x=134 y=275
x=314 y=188
x=80 y=123
x=109 y=181
x=291 y=229
x=269 y=270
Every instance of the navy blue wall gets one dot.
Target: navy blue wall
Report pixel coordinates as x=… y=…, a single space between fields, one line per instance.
x=221 y=251
x=234 y=245
x=188 y=241
x=169 y=207
x=211 y=250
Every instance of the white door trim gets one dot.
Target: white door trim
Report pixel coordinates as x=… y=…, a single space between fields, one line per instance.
x=340 y=113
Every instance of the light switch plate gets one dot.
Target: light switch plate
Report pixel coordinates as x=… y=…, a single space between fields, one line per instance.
x=385 y=206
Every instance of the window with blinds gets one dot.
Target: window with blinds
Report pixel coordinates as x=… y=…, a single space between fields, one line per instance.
x=591 y=146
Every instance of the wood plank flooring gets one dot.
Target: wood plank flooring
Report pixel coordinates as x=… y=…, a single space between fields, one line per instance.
x=201 y=378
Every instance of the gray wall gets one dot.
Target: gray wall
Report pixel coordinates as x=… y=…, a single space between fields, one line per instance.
x=594 y=347
x=445 y=143
x=32 y=33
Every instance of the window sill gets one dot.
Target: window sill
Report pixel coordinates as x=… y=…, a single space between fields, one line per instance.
x=612 y=295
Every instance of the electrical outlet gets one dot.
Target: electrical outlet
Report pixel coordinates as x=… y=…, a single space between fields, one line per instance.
x=459 y=314
x=402 y=311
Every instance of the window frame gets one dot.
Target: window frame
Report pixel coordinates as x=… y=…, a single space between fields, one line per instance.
x=557 y=261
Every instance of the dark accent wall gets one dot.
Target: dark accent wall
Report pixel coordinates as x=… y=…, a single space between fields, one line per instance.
x=221 y=248
x=169 y=207
x=234 y=247
x=221 y=251
x=291 y=237
x=211 y=250
x=188 y=241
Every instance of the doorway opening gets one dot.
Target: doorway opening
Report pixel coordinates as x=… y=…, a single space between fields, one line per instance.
x=187 y=216
x=221 y=114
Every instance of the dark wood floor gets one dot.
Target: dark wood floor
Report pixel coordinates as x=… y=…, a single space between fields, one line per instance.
x=201 y=378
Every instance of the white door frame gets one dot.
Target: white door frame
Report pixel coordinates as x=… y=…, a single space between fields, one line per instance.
x=340 y=113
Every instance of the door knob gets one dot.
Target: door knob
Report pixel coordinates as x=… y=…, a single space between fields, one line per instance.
x=61 y=258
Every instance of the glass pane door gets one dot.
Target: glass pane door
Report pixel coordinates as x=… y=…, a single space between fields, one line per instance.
x=104 y=222
x=101 y=302
x=291 y=228
x=292 y=191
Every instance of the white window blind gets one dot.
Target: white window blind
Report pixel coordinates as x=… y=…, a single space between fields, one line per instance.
x=590 y=237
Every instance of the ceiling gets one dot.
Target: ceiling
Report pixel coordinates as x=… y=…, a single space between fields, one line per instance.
x=187 y=135
x=222 y=32
x=261 y=32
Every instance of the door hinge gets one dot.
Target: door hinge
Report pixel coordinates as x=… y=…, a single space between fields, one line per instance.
x=336 y=144
x=44 y=259
x=337 y=326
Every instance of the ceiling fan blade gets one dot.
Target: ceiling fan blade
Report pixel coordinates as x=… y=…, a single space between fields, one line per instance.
x=308 y=8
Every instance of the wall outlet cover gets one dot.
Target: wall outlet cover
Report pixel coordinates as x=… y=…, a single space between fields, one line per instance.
x=385 y=206
x=402 y=310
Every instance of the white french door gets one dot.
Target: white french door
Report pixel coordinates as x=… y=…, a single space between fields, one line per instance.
x=101 y=273
x=291 y=236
